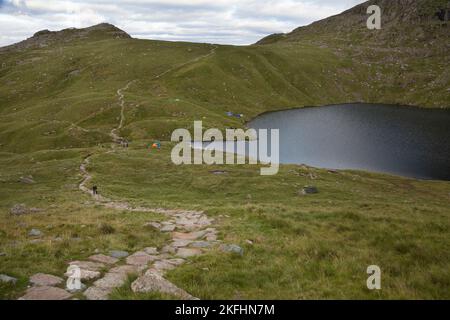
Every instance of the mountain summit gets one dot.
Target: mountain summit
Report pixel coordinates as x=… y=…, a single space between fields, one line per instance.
x=44 y=38
x=403 y=21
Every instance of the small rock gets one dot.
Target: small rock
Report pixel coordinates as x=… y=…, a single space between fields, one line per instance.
x=21 y=209
x=250 y=242
x=168 y=249
x=155 y=225
x=211 y=237
x=95 y=293
x=118 y=254
x=201 y=244
x=140 y=258
x=74 y=73
x=168 y=228
x=111 y=280
x=181 y=243
x=176 y=262
x=103 y=259
x=126 y=269
x=309 y=190
x=88 y=275
x=218 y=172
x=46 y=293
x=7 y=279
x=27 y=180
x=163 y=265
x=232 y=248
x=35 y=233
x=82 y=288
x=45 y=280
x=151 y=251
x=189 y=236
x=88 y=265
x=188 y=252
x=154 y=282
x=2 y=254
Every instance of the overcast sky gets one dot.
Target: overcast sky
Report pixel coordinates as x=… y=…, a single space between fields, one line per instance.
x=217 y=21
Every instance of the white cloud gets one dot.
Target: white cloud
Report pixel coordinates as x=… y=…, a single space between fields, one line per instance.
x=219 y=21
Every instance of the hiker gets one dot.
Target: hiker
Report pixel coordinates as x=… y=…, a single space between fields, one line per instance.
x=94 y=190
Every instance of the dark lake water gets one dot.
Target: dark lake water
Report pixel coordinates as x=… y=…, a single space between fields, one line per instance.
x=406 y=141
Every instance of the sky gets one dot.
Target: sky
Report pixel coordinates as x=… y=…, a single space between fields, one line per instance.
x=235 y=22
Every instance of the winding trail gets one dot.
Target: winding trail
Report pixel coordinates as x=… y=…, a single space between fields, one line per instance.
x=191 y=233
x=121 y=99
x=212 y=52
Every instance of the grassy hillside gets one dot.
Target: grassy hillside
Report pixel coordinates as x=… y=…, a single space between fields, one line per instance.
x=59 y=90
x=301 y=247
x=60 y=99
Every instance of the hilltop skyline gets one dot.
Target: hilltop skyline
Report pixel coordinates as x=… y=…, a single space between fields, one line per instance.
x=223 y=22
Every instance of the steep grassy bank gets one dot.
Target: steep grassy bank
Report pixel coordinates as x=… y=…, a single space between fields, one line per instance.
x=303 y=246
x=316 y=246
x=64 y=94
x=59 y=102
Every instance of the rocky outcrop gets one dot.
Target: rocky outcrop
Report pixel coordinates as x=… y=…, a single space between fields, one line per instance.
x=45 y=38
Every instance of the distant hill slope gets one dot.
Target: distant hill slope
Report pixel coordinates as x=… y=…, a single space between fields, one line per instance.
x=60 y=89
x=404 y=22
x=44 y=38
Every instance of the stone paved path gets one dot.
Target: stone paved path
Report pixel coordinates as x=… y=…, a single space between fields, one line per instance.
x=191 y=232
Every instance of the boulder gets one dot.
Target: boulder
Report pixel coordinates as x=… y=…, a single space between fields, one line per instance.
x=232 y=248
x=21 y=209
x=7 y=279
x=111 y=280
x=309 y=190
x=154 y=282
x=88 y=275
x=181 y=243
x=46 y=293
x=163 y=265
x=154 y=225
x=18 y=209
x=27 y=180
x=126 y=269
x=103 y=259
x=118 y=254
x=168 y=228
x=35 y=233
x=151 y=251
x=140 y=258
x=188 y=252
x=45 y=280
x=189 y=236
x=95 y=293
x=88 y=265
x=201 y=244
x=81 y=289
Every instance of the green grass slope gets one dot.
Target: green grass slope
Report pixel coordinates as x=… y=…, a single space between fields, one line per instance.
x=59 y=101
x=59 y=89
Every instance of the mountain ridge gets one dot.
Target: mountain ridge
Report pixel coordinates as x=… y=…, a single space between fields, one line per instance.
x=44 y=38
x=59 y=89
x=402 y=21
